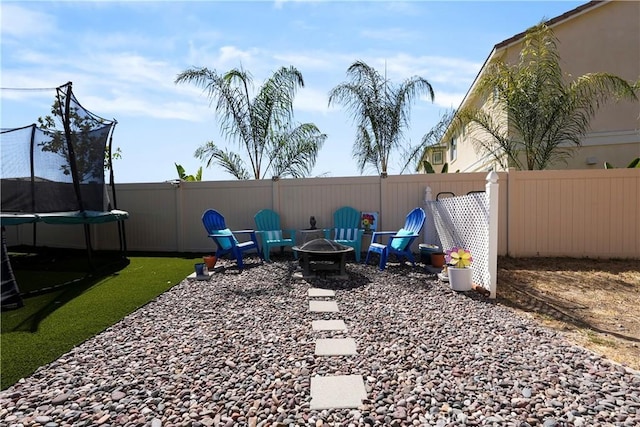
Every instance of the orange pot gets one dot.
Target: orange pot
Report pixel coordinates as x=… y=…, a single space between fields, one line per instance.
x=210 y=261
x=437 y=260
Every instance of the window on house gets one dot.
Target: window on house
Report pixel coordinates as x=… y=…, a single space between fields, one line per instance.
x=453 y=149
x=437 y=157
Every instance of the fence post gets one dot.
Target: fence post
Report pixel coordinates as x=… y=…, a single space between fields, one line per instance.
x=179 y=194
x=384 y=210
x=513 y=247
x=430 y=233
x=492 y=192
x=275 y=194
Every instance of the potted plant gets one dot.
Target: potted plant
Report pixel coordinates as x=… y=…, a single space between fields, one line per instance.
x=459 y=269
x=437 y=259
x=426 y=252
x=210 y=261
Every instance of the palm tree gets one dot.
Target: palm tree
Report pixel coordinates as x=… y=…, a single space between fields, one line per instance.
x=262 y=125
x=182 y=175
x=380 y=110
x=536 y=116
x=415 y=157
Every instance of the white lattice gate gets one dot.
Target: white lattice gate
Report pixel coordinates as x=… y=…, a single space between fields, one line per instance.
x=470 y=222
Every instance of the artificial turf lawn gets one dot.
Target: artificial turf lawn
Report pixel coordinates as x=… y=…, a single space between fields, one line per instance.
x=52 y=323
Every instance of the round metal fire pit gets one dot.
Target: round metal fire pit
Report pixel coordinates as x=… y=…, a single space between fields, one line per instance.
x=323 y=255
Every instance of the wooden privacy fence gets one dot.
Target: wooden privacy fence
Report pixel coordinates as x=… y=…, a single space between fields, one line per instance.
x=572 y=213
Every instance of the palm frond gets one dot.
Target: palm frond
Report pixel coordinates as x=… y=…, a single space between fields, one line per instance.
x=379 y=110
x=232 y=163
x=295 y=153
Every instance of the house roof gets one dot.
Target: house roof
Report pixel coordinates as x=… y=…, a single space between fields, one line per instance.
x=551 y=22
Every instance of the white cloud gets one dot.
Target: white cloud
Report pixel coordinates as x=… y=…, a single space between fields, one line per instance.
x=127 y=67
x=225 y=58
x=19 y=21
x=312 y=100
x=114 y=85
x=127 y=104
x=448 y=99
x=232 y=55
x=450 y=70
x=319 y=61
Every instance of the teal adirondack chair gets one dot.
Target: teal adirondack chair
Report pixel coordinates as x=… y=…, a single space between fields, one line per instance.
x=347 y=229
x=400 y=241
x=271 y=233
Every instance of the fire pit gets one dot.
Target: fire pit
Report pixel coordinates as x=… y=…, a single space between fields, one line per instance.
x=323 y=256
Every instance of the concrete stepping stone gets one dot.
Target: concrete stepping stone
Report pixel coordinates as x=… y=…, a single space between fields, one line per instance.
x=193 y=276
x=335 y=347
x=318 y=292
x=340 y=391
x=328 y=325
x=323 y=306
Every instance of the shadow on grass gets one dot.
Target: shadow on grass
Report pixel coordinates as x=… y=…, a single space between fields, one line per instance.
x=57 y=297
x=47 y=282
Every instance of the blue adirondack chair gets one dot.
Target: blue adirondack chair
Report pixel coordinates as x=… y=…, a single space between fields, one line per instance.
x=225 y=239
x=400 y=241
x=347 y=229
x=271 y=234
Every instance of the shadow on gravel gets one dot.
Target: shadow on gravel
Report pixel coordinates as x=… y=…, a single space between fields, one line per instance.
x=254 y=292
x=232 y=268
x=355 y=280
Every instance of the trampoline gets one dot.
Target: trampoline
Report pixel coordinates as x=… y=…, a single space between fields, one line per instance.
x=53 y=172
x=78 y=217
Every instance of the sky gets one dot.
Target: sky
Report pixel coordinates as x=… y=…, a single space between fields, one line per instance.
x=123 y=59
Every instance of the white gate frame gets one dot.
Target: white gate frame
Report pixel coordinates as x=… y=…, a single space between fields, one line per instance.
x=492 y=194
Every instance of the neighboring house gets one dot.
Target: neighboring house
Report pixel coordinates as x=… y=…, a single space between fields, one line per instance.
x=599 y=36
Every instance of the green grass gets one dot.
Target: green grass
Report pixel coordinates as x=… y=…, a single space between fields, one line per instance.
x=53 y=322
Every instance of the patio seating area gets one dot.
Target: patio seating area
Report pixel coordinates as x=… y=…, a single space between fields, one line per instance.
x=239 y=350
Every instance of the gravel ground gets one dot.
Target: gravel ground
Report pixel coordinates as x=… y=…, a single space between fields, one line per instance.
x=239 y=351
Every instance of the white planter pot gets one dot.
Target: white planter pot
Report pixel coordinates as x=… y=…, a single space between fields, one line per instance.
x=460 y=279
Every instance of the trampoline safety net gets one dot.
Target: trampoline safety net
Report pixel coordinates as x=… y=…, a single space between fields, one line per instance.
x=58 y=164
